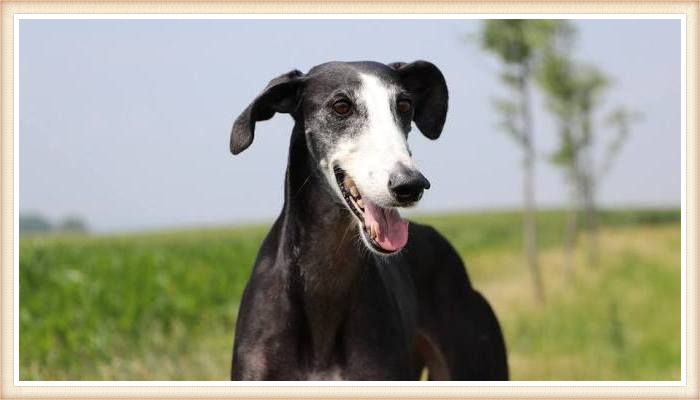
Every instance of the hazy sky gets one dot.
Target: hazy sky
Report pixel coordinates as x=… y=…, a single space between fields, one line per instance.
x=127 y=122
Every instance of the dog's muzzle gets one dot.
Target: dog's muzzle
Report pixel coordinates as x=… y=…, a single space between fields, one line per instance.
x=382 y=228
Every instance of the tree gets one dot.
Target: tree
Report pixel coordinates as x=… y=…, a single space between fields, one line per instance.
x=73 y=224
x=31 y=223
x=520 y=45
x=574 y=92
x=37 y=223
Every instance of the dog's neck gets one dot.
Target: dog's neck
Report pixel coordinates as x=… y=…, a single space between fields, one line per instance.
x=318 y=229
x=321 y=243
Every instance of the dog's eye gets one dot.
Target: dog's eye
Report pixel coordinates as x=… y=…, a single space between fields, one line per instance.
x=342 y=107
x=404 y=106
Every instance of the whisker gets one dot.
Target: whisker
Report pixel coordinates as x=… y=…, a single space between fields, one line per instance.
x=343 y=238
x=302 y=186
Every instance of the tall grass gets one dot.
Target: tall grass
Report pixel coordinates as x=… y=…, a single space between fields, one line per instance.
x=162 y=306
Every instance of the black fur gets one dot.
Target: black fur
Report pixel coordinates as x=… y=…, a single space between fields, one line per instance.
x=321 y=306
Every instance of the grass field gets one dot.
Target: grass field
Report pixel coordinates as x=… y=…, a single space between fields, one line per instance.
x=162 y=306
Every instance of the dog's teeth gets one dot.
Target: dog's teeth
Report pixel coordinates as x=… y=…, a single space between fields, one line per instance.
x=348 y=182
x=353 y=191
x=360 y=203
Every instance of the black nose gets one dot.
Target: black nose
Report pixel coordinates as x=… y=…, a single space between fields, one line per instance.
x=407 y=185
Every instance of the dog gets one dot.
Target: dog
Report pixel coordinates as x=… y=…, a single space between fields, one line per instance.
x=344 y=288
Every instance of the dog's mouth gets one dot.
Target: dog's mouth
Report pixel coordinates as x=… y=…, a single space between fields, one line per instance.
x=383 y=229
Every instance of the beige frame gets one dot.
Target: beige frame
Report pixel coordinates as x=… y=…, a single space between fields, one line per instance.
x=606 y=389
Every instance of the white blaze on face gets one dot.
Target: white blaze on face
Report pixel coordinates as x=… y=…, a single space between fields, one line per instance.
x=371 y=155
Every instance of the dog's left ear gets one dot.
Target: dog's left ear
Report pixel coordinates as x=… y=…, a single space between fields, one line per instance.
x=281 y=95
x=426 y=83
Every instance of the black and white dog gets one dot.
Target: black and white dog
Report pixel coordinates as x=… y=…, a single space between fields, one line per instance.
x=343 y=287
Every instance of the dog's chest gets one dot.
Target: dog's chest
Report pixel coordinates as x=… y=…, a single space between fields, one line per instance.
x=334 y=373
x=379 y=334
x=371 y=333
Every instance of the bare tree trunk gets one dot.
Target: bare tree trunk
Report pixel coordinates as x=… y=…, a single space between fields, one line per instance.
x=591 y=224
x=587 y=174
x=530 y=228
x=578 y=191
x=570 y=240
x=529 y=218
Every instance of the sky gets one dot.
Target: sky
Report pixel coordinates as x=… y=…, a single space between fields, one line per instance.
x=127 y=122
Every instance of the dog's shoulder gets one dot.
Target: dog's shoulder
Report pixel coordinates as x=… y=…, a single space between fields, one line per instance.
x=426 y=236
x=430 y=253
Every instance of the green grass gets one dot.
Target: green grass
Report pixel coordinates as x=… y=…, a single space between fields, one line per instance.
x=162 y=306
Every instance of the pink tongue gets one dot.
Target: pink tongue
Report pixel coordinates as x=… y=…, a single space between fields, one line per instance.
x=392 y=230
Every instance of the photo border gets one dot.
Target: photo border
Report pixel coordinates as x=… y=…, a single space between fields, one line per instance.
x=12 y=388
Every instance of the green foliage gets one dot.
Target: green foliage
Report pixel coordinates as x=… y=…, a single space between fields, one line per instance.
x=566 y=152
x=518 y=41
x=163 y=305
x=511 y=79
x=590 y=83
x=571 y=89
x=619 y=119
x=519 y=44
x=510 y=112
x=556 y=78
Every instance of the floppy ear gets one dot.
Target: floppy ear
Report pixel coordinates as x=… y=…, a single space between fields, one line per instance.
x=426 y=83
x=281 y=95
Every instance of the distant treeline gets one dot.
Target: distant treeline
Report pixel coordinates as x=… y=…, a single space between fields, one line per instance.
x=35 y=223
x=639 y=216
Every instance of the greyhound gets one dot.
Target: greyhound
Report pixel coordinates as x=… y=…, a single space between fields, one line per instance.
x=343 y=288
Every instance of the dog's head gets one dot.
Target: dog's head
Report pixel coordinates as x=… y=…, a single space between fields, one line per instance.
x=356 y=117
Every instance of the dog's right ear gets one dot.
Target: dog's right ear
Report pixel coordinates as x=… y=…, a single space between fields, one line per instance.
x=281 y=95
x=427 y=84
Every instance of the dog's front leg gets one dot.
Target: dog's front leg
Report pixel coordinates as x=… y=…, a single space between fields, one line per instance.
x=259 y=363
x=266 y=343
